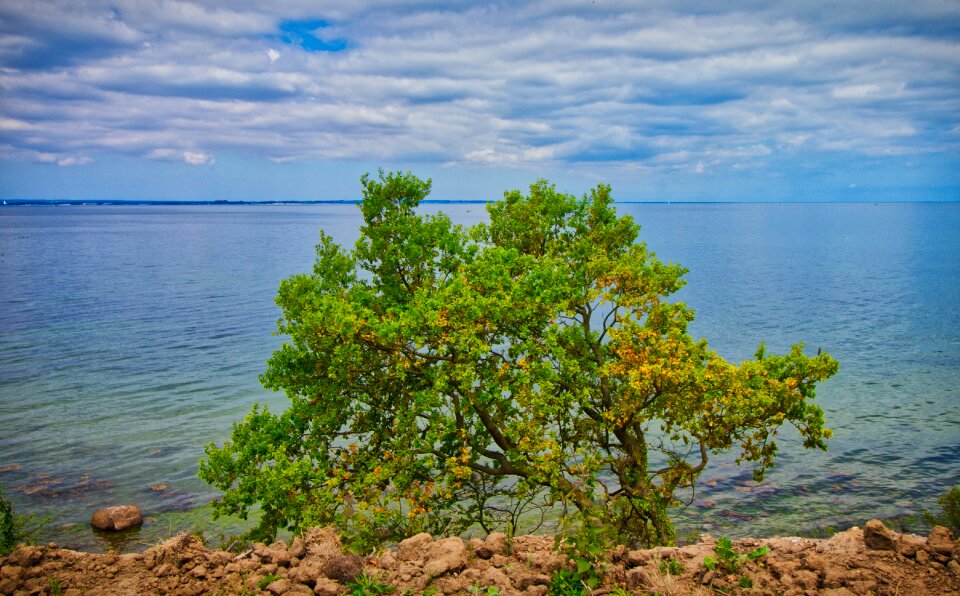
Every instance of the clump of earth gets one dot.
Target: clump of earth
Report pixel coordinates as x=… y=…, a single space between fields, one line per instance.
x=868 y=560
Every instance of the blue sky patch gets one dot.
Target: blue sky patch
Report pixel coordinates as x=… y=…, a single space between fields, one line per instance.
x=303 y=34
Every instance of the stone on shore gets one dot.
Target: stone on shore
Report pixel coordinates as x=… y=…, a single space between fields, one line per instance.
x=114 y=519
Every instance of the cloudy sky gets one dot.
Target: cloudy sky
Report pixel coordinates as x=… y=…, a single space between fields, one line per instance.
x=665 y=100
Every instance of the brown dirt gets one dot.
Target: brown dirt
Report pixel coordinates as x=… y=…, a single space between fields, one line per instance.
x=872 y=560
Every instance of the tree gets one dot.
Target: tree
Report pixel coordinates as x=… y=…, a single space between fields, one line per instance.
x=437 y=373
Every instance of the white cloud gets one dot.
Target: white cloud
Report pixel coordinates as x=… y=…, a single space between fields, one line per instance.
x=653 y=84
x=195 y=158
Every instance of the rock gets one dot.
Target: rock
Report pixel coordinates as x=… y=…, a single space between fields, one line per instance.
x=297 y=548
x=449 y=554
x=638 y=558
x=638 y=580
x=12 y=571
x=954 y=567
x=878 y=536
x=545 y=562
x=940 y=541
x=497 y=578
x=276 y=553
x=922 y=557
x=309 y=572
x=10 y=468
x=326 y=587
x=117 y=518
x=531 y=579
x=284 y=586
x=806 y=579
x=495 y=544
x=834 y=576
x=413 y=548
x=909 y=545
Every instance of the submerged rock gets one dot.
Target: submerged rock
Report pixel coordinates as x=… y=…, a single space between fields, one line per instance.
x=117 y=518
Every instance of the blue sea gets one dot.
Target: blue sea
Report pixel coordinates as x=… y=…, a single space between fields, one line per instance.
x=131 y=336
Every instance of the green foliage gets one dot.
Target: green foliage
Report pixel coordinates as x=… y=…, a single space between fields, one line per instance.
x=485 y=590
x=950 y=511
x=16 y=529
x=729 y=560
x=671 y=566
x=266 y=580
x=435 y=373
x=368 y=585
x=566 y=582
x=586 y=547
x=8 y=527
x=56 y=587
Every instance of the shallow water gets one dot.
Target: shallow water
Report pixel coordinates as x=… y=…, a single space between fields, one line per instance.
x=132 y=336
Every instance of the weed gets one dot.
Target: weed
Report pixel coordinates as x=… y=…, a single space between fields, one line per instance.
x=586 y=547
x=567 y=582
x=728 y=560
x=56 y=588
x=671 y=567
x=8 y=527
x=266 y=580
x=485 y=590
x=15 y=529
x=368 y=585
x=950 y=506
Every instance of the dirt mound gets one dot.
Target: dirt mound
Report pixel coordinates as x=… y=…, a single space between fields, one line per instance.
x=872 y=560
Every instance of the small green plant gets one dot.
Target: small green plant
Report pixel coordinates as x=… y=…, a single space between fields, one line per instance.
x=566 y=582
x=368 y=585
x=586 y=547
x=56 y=589
x=485 y=590
x=8 y=527
x=15 y=529
x=266 y=580
x=729 y=560
x=671 y=567
x=950 y=506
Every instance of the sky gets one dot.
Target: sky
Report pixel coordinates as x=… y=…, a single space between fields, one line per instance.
x=664 y=100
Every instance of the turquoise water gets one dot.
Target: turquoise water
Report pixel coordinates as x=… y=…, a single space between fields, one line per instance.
x=132 y=336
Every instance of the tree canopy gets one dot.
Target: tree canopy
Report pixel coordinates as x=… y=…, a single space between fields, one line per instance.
x=441 y=377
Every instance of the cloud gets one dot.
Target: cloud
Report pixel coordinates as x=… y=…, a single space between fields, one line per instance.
x=611 y=86
x=194 y=158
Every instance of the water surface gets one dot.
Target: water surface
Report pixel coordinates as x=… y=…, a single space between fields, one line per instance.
x=132 y=336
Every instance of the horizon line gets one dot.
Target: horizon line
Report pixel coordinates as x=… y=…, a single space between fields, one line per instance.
x=222 y=202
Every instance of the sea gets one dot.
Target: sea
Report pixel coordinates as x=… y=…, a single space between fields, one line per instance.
x=133 y=335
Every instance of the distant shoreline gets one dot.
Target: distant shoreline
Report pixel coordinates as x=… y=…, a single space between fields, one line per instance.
x=171 y=203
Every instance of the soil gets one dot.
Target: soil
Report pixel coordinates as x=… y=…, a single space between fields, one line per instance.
x=868 y=560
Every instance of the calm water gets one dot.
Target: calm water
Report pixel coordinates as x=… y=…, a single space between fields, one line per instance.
x=132 y=336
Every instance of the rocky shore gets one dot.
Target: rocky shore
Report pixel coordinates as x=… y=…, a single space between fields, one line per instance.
x=868 y=560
